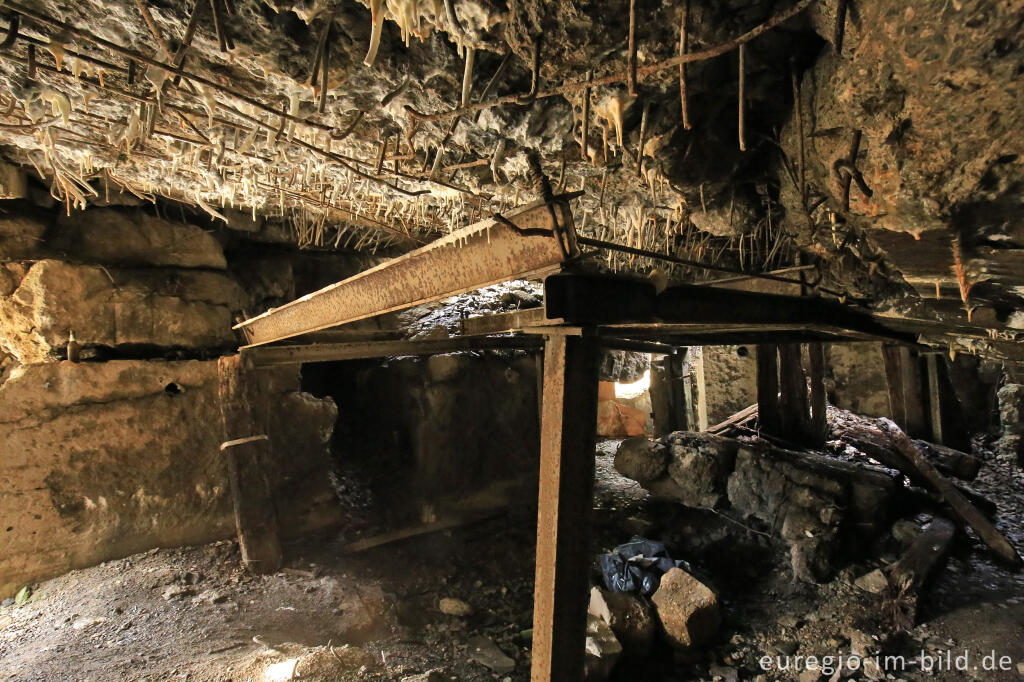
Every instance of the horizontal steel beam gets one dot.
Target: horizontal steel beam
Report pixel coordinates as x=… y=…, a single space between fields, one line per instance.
x=270 y=356
x=498 y=323
x=523 y=244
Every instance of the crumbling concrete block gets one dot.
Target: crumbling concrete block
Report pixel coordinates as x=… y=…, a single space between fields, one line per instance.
x=687 y=608
x=811 y=499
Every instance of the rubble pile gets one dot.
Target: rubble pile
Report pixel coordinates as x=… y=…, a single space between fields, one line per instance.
x=812 y=501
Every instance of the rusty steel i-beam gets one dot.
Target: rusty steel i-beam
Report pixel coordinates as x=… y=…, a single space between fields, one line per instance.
x=565 y=498
x=523 y=244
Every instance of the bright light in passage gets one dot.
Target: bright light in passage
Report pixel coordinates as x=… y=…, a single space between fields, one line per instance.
x=634 y=389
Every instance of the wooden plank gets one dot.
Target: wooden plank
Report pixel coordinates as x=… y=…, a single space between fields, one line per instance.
x=246 y=451
x=700 y=388
x=873 y=443
x=738 y=419
x=399 y=534
x=564 y=505
x=768 y=387
x=714 y=333
x=950 y=461
x=269 y=356
x=602 y=300
x=909 y=573
x=963 y=509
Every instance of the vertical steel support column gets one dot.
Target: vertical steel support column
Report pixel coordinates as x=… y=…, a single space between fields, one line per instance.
x=564 y=505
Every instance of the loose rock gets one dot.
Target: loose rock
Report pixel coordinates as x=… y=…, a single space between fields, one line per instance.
x=485 y=652
x=603 y=649
x=687 y=608
x=630 y=618
x=874 y=582
x=455 y=607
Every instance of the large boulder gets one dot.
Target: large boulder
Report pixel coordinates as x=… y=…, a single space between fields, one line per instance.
x=687 y=608
x=107 y=307
x=699 y=465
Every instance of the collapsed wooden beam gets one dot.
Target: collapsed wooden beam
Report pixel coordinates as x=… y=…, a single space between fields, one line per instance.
x=963 y=509
x=525 y=243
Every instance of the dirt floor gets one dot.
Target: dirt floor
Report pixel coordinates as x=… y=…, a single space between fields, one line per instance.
x=191 y=614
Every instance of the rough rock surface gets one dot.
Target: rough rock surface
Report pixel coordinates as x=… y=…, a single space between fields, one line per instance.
x=116 y=237
x=687 y=608
x=107 y=307
x=105 y=459
x=810 y=499
x=641 y=459
x=21 y=233
x=623 y=366
x=602 y=650
x=940 y=206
